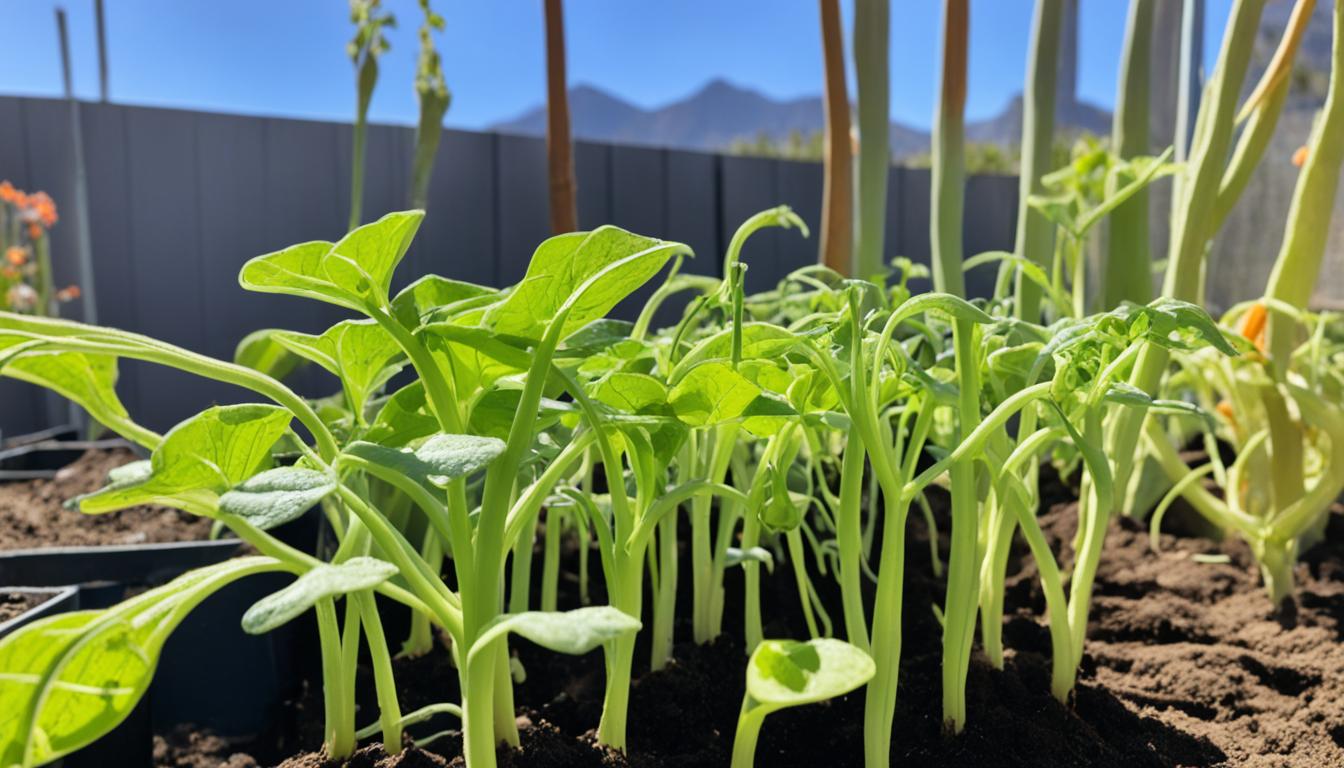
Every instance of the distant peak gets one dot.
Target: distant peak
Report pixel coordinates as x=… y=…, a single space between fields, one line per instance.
x=722 y=85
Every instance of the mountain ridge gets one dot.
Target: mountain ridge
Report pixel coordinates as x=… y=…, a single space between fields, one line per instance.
x=721 y=112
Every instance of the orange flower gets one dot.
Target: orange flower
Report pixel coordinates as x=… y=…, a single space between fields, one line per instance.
x=43 y=208
x=1224 y=408
x=8 y=193
x=68 y=293
x=34 y=231
x=1253 y=325
x=1300 y=156
x=16 y=255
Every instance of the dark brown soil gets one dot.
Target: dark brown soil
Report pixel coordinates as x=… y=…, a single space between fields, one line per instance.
x=31 y=515
x=15 y=604
x=1187 y=664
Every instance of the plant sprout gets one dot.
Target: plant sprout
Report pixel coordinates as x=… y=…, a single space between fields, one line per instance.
x=785 y=673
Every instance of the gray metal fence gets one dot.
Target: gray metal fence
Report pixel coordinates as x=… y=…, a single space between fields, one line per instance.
x=178 y=200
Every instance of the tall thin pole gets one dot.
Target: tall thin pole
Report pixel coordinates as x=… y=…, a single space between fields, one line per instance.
x=559 y=148
x=101 y=23
x=81 y=202
x=83 y=242
x=872 y=23
x=1191 y=75
x=837 y=210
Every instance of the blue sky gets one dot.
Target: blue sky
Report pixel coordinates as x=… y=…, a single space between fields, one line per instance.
x=288 y=57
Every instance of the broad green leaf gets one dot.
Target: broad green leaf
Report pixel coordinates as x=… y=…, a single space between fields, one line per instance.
x=354 y=272
x=363 y=261
x=430 y=293
x=403 y=418
x=1186 y=319
x=475 y=357
x=361 y=353
x=712 y=393
x=493 y=413
x=630 y=392
x=759 y=340
x=559 y=275
x=260 y=352
x=573 y=632
x=785 y=673
x=597 y=336
x=200 y=459
x=297 y=271
x=277 y=496
x=70 y=679
x=438 y=460
x=323 y=581
x=88 y=379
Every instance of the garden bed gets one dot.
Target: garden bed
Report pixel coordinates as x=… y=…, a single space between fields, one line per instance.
x=32 y=515
x=16 y=602
x=1187 y=664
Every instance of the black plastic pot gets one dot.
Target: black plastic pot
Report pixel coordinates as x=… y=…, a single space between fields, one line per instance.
x=210 y=673
x=43 y=454
x=62 y=599
x=125 y=564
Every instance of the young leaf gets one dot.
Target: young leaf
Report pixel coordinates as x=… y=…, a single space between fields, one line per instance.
x=712 y=393
x=403 y=418
x=630 y=392
x=573 y=632
x=734 y=556
x=277 y=496
x=438 y=460
x=359 y=352
x=200 y=459
x=353 y=273
x=87 y=379
x=562 y=265
x=260 y=352
x=785 y=673
x=432 y=292
x=323 y=581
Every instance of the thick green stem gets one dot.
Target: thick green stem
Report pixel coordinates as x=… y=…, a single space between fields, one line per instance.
x=339 y=729
x=1127 y=274
x=872 y=71
x=848 y=538
x=550 y=561
x=962 y=567
x=389 y=711
x=1035 y=234
x=628 y=586
x=748 y=732
x=880 y=700
x=366 y=77
x=478 y=733
x=665 y=605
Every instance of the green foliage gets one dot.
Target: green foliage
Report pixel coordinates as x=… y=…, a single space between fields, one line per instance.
x=320 y=583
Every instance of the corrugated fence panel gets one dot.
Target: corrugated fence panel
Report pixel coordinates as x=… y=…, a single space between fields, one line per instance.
x=180 y=200
x=522 y=218
x=693 y=208
x=458 y=237
x=109 y=194
x=800 y=187
x=638 y=193
x=750 y=185
x=165 y=254
x=990 y=224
